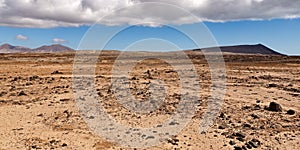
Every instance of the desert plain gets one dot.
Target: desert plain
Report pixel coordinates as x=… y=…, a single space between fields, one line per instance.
x=261 y=108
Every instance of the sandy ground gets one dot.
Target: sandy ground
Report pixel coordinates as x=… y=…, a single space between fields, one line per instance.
x=38 y=109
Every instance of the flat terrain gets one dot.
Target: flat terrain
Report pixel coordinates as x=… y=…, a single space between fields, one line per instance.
x=38 y=108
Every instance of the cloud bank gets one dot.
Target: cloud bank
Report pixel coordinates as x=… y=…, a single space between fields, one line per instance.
x=54 y=13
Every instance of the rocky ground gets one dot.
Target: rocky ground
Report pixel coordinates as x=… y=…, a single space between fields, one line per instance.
x=261 y=109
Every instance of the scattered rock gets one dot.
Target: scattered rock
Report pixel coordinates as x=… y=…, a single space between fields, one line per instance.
x=173 y=141
x=240 y=139
x=272 y=85
x=2 y=93
x=223 y=115
x=222 y=127
x=244 y=147
x=275 y=107
x=32 y=78
x=173 y=123
x=255 y=116
x=15 y=79
x=232 y=142
x=238 y=148
x=252 y=144
x=150 y=137
x=40 y=115
x=64 y=145
x=246 y=107
x=22 y=93
x=291 y=112
x=246 y=125
x=248 y=146
x=56 y=72
x=256 y=107
x=64 y=100
x=255 y=143
x=239 y=134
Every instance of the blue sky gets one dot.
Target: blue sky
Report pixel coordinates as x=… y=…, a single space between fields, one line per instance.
x=274 y=23
x=281 y=35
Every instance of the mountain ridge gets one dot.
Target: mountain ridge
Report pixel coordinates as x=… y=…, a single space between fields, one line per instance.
x=7 y=48
x=236 y=49
x=242 y=49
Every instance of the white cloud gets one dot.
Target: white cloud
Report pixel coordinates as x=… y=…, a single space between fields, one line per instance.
x=53 y=13
x=58 y=40
x=21 y=37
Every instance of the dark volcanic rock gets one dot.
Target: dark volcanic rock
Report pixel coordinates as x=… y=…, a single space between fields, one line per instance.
x=291 y=112
x=271 y=85
x=238 y=148
x=56 y=72
x=232 y=143
x=240 y=134
x=275 y=107
x=255 y=116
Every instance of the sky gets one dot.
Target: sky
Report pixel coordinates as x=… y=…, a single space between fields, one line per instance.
x=151 y=24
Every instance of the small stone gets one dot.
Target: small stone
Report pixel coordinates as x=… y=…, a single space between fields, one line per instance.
x=34 y=146
x=244 y=147
x=52 y=141
x=238 y=148
x=272 y=85
x=56 y=72
x=222 y=127
x=64 y=100
x=275 y=107
x=240 y=139
x=256 y=107
x=291 y=112
x=173 y=123
x=223 y=115
x=225 y=133
x=240 y=134
x=256 y=141
x=248 y=146
x=40 y=115
x=232 y=143
x=64 y=145
x=253 y=144
x=246 y=125
x=22 y=93
x=150 y=137
x=255 y=116
x=173 y=141
x=246 y=107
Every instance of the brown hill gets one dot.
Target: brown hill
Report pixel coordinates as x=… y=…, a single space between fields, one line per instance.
x=52 y=49
x=7 y=48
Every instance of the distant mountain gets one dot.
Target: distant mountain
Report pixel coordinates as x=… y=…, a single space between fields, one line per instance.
x=7 y=48
x=239 y=49
x=243 y=49
x=52 y=49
